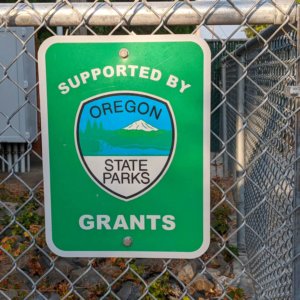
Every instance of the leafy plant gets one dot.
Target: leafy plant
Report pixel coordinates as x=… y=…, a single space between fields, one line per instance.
x=96 y=291
x=228 y=257
x=215 y=195
x=235 y=294
x=10 y=195
x=12 y=246
x=251 y=33
x=160 y=288
x=35 y=266
x=221 y=219
x=9 y=284
x=28 y=218
x=138 y=269
x=4 y=220
x=9 y=243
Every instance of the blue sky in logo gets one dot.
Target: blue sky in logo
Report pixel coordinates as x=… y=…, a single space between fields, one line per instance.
x=118 y=111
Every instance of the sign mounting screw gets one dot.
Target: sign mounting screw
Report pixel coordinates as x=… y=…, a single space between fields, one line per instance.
x=123 y=53
x=127 y=241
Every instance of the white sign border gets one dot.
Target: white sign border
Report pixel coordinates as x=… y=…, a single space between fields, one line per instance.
x=206 y=142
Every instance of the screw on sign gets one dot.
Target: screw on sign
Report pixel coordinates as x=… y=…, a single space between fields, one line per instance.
x=123 y=53
x=126 y=145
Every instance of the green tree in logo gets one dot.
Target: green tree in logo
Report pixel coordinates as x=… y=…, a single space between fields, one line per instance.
x=90 y=137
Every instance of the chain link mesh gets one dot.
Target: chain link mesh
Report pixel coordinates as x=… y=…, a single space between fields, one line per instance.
x=253 y=178
x=267 y=129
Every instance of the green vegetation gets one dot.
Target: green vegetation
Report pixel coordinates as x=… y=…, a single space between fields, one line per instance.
x=221 y=219
x=28 y=217
x=16 y=240
x=160 y=288
x=250 y=33
x=228 y=257
x=235 y=294
x=138 y=269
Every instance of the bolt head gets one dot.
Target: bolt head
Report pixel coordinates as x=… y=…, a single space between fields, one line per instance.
x=123 y=53
x=127 y=241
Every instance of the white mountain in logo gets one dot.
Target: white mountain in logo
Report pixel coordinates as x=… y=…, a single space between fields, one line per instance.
x=140 y=125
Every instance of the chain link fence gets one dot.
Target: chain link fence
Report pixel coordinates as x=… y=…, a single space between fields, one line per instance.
x=254 y=252
x=261 y=126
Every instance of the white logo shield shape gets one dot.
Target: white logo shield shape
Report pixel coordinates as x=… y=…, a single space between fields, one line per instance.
x=125 y=141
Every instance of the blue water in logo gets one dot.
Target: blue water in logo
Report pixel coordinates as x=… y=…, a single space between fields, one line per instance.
x=116 y=151
x=123 y=125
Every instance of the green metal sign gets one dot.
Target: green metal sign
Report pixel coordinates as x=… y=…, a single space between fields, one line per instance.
x=125 y=128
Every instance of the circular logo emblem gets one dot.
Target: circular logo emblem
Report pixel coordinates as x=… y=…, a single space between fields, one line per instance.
x=125 y=141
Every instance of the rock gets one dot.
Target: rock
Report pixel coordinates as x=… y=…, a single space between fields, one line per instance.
x=224 y=280
x=40 y=211
x=34 y=263
x=89 y=279
x=218 y=262
x=54 y=296
x=6 y=265
x=176 y=265
x=197 y=266
x=12 y=294
x=129 y=291
x=125 y=291
x=150 y=264
x=224 y=266
x=175 y=291
x=75 y=273
x=82 y=262
x=226 y=270
x=223 y=283
x=213 y=249
x=201 y=283
x=37 y=297
x=186 y=274
x=54 y=277
x=198 y=295
x=65 y=266
x=214 y=263
x=110 y=272
x=12 y=206
x=214 y=272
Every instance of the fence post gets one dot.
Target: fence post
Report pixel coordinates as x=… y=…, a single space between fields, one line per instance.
x=240 y=157
x=224 y=120
x=296 y=233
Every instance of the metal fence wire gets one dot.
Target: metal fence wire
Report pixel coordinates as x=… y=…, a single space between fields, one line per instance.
x=255 y=186
x=261 y=123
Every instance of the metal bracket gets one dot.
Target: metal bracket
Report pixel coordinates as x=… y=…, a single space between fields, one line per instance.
x=25 y=84
x=293 y=91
